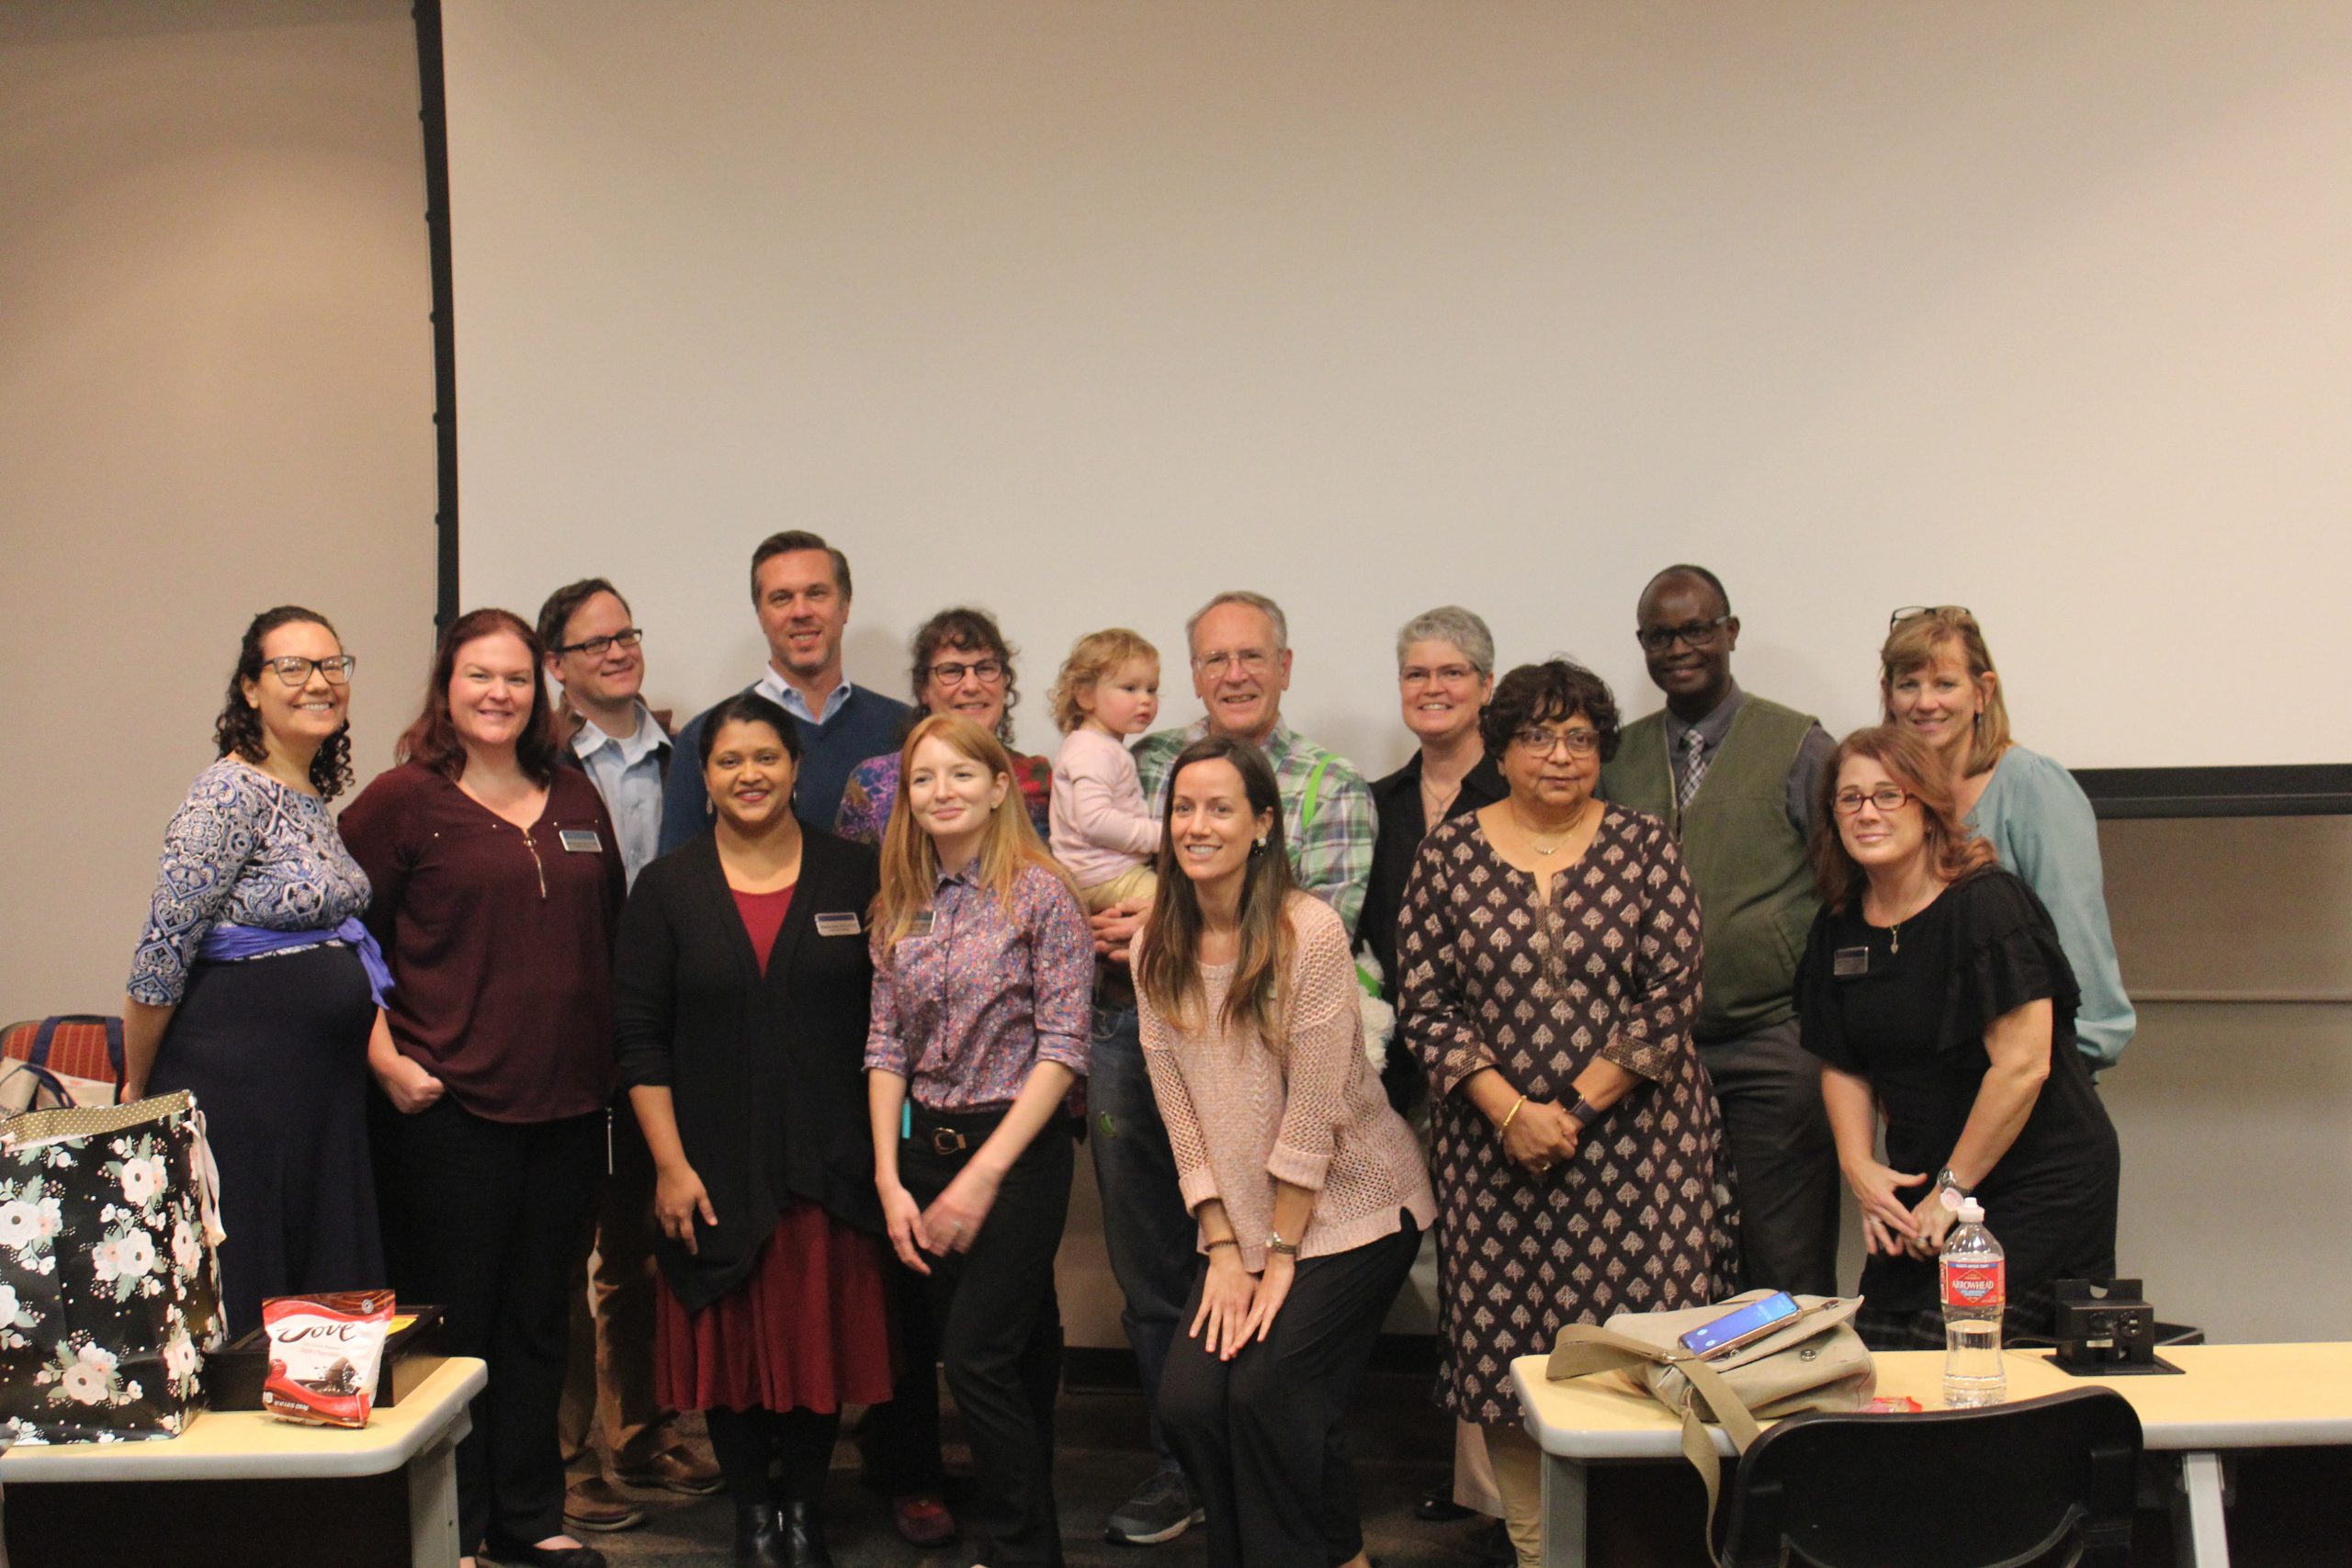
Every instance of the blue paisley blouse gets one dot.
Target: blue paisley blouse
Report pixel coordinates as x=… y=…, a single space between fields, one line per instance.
x=241 y=850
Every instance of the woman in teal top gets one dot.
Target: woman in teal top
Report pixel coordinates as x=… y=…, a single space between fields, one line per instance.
x=1936 y=679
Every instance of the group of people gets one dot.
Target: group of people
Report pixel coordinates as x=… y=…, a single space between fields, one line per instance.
x=867 y=976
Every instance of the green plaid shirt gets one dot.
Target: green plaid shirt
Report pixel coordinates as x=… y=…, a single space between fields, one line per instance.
x=1333 y=857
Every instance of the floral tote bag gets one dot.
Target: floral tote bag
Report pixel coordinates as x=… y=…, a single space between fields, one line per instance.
x=109 y=1280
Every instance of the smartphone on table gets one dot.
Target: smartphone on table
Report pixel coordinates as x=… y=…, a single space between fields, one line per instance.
x=1743 y=1325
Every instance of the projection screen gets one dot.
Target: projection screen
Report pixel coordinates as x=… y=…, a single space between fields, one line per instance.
x=1081 y=313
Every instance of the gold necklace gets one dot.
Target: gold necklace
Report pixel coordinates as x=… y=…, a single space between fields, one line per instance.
x=1544 y=850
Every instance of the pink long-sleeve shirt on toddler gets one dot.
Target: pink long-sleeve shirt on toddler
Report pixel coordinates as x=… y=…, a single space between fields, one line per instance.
x=1101 y=826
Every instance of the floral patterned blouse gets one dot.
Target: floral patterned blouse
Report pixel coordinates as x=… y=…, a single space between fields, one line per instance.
x=966 y=1004
x=874 y=785
x=241 y=850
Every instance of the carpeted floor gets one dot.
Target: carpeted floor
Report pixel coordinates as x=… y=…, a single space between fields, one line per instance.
x=1403 y=1445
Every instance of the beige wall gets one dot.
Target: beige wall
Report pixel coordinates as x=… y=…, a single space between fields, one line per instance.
x=216 y=395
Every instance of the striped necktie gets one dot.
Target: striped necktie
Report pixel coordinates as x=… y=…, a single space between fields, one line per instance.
x=1694 y=768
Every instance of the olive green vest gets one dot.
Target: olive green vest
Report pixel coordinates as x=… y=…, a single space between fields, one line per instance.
x=1756 y=893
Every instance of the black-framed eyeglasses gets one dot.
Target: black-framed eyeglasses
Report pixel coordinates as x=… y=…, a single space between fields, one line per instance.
x=988 y=672
x=1960 y=613
x=1886 y=797
x=1697 y=634
x=296 y=672
x=1443 y=675
x=1537 y=741
x=595 y=647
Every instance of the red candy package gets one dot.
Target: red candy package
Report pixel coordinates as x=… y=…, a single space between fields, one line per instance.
x=324 y=1352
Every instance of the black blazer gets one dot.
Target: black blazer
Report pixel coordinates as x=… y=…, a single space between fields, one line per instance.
x=1397 y=798
x=767 y=1074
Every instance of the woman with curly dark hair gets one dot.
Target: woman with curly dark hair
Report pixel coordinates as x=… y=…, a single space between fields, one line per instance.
x=961 y=665
x=275 y=1052
x=498 y=888
x=1549 y=956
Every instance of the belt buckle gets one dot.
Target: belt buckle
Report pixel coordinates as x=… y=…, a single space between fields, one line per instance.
x=946 y=1141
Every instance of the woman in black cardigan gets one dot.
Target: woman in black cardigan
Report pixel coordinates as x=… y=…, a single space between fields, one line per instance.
x=742 y=982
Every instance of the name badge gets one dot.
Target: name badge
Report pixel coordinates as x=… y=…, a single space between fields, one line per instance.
x=581 y=840
x=922 y=924
x=1849 y=962
x=838 y=925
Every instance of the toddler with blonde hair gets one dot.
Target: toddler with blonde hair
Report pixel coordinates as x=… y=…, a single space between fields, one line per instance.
x=1102 y=830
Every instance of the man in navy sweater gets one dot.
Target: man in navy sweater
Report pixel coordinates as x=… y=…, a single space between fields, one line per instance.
x=800 y=589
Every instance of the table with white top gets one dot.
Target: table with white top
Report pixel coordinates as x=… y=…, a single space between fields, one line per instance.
x=2230 y=1396
x=418 y=1437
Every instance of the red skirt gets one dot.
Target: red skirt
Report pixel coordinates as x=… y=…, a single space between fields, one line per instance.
x=808 y=1330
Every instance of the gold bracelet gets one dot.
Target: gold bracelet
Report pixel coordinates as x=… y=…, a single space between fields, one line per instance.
x=1504 y=1125
x=1222 y=1241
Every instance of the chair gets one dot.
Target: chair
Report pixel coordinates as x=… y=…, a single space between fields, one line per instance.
x=1989 y=1488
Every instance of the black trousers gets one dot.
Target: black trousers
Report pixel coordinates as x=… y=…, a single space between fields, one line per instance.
x=1263 y=1436
x=490 y=1220
x=999 y=1328
x=1783 y=1159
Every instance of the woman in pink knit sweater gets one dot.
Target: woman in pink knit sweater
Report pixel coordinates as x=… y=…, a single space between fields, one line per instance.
x=1311 y=1191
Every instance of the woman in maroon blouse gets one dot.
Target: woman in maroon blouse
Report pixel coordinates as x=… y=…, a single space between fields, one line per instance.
x=497 y=883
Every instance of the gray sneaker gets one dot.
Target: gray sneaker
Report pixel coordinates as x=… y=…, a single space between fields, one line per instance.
x=1161 y=1509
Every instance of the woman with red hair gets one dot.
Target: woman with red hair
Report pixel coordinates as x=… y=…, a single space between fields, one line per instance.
x=1936 y=993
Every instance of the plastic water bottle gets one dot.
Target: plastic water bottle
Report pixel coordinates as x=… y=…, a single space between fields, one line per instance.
x=1974 y=1273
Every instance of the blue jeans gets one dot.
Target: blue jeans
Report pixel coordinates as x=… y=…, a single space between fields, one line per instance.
x=1151 y=1237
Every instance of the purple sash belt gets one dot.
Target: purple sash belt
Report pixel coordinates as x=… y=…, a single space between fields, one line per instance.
x=227 y=943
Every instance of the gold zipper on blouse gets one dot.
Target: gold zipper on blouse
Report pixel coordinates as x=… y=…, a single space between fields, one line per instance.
x=536 y=863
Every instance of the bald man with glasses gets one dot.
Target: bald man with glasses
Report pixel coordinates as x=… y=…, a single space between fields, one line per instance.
x=1733 y=777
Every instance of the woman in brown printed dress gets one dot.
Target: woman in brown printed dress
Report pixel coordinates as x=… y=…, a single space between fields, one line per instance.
x=1549 y=945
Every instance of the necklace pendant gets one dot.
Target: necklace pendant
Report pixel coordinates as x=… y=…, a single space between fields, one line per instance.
x=1894 y=933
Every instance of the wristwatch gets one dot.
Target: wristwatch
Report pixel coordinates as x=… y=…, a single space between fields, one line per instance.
x=1948 y=1189
x=1274 y=1243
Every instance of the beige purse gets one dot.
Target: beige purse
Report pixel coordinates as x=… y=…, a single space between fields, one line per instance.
x=1816 y=1362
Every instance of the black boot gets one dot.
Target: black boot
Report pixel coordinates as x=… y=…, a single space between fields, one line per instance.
x=802 y=1530
x=759 y=1537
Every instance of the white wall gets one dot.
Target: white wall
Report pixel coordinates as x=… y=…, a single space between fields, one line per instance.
x=215 y=384
x=216 y=395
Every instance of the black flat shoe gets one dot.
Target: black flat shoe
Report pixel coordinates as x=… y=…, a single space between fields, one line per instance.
x=759 y=1537
x=803 y=1531
x=519 y=1556
x=1437 y=1506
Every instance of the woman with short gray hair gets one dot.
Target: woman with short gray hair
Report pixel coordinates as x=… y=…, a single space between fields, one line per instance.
x=1445 y=674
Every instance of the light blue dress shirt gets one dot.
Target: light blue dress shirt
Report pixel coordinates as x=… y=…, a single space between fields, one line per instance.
x=787 y=696
x=627 y=774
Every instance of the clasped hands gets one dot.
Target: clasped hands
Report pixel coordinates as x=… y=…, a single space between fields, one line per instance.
x=1237 y=1305
x=952 y=1223
x=1541 y=1134
x=1889 y=1226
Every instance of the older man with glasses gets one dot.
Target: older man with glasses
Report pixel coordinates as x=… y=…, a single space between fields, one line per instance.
x=1734 y=776
x=1240 y=662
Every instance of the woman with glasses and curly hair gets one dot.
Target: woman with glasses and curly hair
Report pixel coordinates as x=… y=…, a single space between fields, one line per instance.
x=1937 y=680
x=1550 y=954
x=275 y=1052
x=1936 y=993
x=961 y=664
